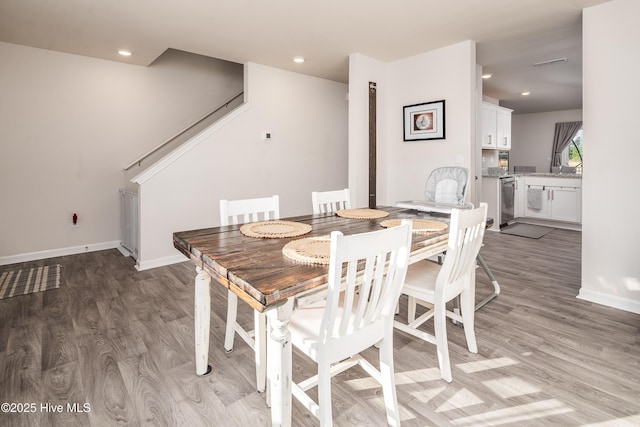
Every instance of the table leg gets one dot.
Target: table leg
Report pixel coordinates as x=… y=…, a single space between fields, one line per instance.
x=279 y=364
x=202 y=319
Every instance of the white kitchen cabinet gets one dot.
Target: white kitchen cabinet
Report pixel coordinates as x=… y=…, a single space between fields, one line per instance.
x=519 y=198
x=503 y=122
x=561 y=199
x=565 y=204
x=491 y=196
x=543 y=212
x=489 y=126
x=496 y=127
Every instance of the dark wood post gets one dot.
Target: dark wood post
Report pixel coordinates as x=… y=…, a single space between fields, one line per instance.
x=372 y=145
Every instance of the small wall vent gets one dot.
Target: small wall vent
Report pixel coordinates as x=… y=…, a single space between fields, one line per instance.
x=551 y=61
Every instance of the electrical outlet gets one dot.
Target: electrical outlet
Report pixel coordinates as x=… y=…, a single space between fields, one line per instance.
x=266 y=136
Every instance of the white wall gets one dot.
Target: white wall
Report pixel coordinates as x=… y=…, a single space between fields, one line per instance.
x=68 y=125
x=610 y=232
x=307 y=118
x=532 y=137
x=403 y=167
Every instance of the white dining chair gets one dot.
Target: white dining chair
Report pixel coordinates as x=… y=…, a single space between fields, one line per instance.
x=239 y=212
x=330 y=201
x=436 y=285
x=356 y=314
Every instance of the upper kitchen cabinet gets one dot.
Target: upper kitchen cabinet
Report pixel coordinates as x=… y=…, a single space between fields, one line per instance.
x=496 y=127
x=489 y=125
x=504 y=129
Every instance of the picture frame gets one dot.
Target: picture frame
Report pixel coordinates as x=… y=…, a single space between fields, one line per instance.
x=424 y=121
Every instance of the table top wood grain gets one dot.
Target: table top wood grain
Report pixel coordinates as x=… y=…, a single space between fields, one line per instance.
x=257 y=270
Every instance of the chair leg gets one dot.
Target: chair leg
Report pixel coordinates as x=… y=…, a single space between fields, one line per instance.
x=260 y=328
x=388 y=381
x=411 y=309
x=467 y=302
x=232 y=312
x=324 y=395
x=440 y=329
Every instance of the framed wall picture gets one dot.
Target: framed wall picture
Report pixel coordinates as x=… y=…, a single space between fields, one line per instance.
x=424 y=121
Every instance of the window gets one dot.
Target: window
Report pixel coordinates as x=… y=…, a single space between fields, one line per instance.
x=572 y=155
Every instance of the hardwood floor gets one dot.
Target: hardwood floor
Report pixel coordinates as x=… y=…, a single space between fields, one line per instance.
x=121 y=342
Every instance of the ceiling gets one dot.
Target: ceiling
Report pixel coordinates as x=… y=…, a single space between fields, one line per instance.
x=511 y=35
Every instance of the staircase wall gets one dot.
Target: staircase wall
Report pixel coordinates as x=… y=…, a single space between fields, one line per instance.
x=307 y=118
x=69 y=124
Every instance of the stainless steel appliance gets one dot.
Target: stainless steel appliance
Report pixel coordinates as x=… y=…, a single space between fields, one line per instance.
x=507 y=198
x=503 y=160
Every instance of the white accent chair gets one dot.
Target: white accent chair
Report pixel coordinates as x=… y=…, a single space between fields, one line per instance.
x=437 y=284
x=330 y=201
x=239 y=212
x=357 y=314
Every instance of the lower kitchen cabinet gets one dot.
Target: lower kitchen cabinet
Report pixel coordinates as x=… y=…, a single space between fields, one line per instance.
x=519 y=199
x=491 y=196
x=566 y=204
x=560 y=198
x=535 y=210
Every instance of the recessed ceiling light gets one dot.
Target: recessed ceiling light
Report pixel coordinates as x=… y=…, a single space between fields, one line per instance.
x=124 y=52
x=487 y=76
x=298 y=59
x=525 y=93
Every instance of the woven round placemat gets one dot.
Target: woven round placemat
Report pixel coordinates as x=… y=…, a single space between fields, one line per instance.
x=418 y=225
x=275 y=229
x=310 y=250
x=362 y=213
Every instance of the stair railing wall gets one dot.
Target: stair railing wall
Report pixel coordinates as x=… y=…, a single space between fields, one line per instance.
x=139 y=161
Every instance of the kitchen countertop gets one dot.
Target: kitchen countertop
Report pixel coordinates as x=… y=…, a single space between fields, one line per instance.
x=542 y=174
x=550 y=175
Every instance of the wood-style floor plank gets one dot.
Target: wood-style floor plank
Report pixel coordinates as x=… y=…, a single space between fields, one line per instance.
x=122 y=341
x=102 y=382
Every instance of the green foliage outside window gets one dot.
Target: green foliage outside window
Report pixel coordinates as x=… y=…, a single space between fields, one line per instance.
x=575 y=150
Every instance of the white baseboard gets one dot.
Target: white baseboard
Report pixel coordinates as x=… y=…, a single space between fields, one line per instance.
x=74 y=250
x=160 y=262
x=52 y=253
x=609 y=300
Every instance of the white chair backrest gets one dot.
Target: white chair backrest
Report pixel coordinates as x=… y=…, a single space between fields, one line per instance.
x=330 y=201
x=466 y=232
x=447 y=185
x=249 y=210
x=368 y=297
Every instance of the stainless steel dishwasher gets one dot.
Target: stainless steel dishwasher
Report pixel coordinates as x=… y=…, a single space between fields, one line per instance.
x=507 y=198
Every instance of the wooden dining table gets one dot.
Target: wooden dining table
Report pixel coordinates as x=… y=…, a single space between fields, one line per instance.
x=260 y=274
